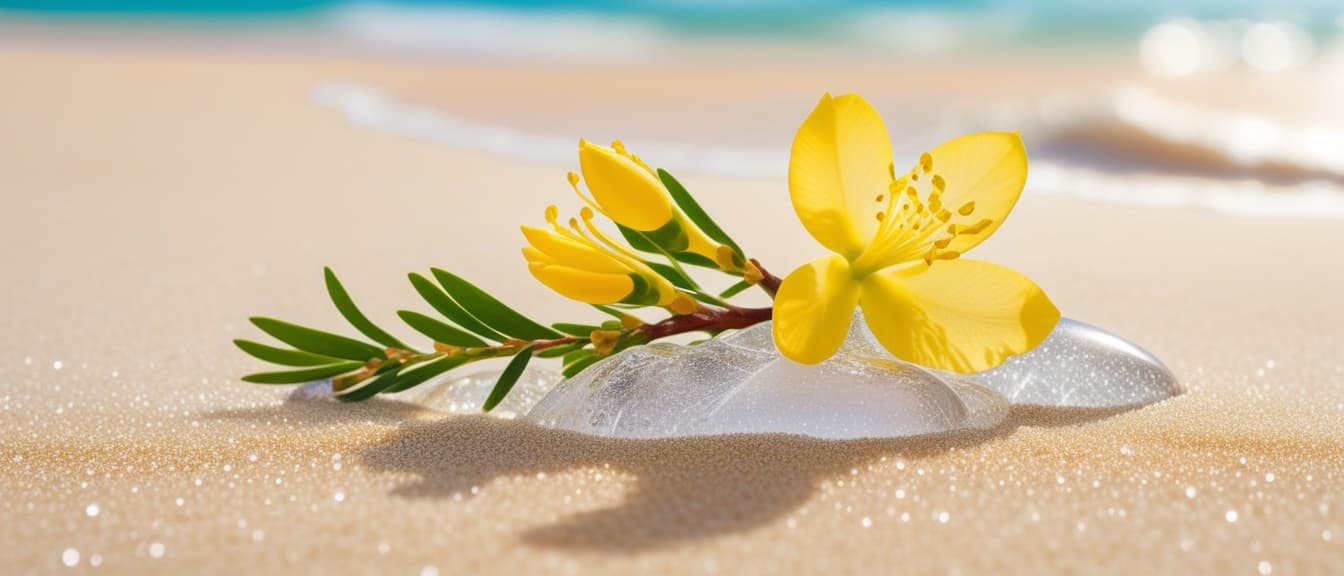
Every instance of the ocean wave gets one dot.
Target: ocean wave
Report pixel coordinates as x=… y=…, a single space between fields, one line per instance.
x=1133 y=148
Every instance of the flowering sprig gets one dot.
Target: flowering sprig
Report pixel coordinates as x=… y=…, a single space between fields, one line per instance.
x=897 y=241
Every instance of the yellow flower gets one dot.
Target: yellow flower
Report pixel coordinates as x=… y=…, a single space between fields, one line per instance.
x=630 y=193
x=582 y=263
x=897 y=242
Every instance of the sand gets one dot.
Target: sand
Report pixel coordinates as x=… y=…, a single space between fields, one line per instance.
x=152 y=203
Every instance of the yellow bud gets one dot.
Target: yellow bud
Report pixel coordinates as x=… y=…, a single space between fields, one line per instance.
x=753 y=275
x=625 y=191
x=583 y=285
x=604 y=341
x=682 y=304
x=630 y=321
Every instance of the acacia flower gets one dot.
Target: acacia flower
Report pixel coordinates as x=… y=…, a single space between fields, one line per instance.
x=897 y=243
x=583 y=263
x=624 y=189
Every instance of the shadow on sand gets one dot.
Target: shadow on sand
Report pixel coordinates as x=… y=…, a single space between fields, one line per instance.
x=687 y=489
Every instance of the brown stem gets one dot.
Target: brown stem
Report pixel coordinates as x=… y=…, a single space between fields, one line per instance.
x=769 y=282
x=708 y=320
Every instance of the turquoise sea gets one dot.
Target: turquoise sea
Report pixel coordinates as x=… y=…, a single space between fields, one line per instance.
x=1048 y=21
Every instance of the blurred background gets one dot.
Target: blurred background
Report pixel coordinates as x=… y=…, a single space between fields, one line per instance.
x=1230 y=106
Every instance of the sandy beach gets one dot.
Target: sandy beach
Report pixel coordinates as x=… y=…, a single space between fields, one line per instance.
x=153 y=202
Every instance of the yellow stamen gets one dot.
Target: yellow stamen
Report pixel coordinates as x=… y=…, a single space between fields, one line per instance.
x=587 y=216
x=967 y=208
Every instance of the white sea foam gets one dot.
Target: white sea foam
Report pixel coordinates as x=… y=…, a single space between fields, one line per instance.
x=1259 y=167
x=495 y=32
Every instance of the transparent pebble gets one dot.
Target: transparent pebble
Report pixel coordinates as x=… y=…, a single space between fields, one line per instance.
x=1082 y=366
x=740 y=384
x=460 y=395
x=466 y=394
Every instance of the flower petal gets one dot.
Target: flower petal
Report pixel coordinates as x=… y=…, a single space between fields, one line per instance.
x=963 y=315
x=626 y=192
x=983 y=174
x=840 y=163
x=582 y=285
x=813 y=310
x=565 y=251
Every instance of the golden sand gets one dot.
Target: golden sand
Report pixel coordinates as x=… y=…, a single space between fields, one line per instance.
x=153 y=203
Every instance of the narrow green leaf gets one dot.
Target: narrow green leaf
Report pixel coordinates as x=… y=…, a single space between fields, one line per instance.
x=557 y=351
x=508 y=378
x=317 y=341
x=673 y=275
x=637 y=240
x=436 y=297
x=695 y=260
x=421 y=373
x=581 y=330
x=693 y=211
x=609 y=311
x=576 y=355
x=735 y=289
x=347 y=307
x=439 y=331
x=491 y=311
x=369 y=387
x=640 y=242
x=301 y=376
x=578 y=366
x=283 y=356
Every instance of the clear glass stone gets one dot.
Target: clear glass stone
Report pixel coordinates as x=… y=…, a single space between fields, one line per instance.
x=740 y=384
x=1082 y=366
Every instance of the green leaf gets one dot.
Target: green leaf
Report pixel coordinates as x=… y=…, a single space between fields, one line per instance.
x=673 y=275
x=301 y=376
x=508 y=378
x=283 y=356
x=436 y=297
x=410 y=378
x=578 y=365
x=735 y=289
x=556 y=351
x=693 y=211
x=695 y=260
x=347 y=307
x=491 y=311
x=440 y=331
x=369 y=387
x=580 y=330
x=609 y=311
x=317 y=341
x=637 y=240
x=574 y=356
